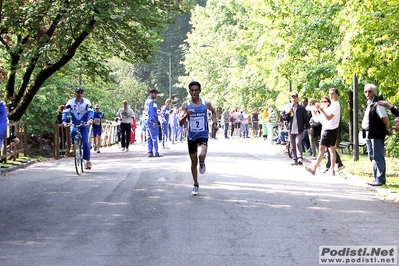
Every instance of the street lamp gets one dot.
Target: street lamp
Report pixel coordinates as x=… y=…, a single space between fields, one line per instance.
x=170 y=72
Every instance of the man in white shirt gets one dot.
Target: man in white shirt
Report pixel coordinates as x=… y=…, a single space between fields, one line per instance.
x=125 y=115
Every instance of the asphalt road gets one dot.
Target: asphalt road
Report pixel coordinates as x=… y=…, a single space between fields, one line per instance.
x=254 y=208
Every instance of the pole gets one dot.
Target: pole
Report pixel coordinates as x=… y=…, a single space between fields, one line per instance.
x=355 y=135
x=170 y=72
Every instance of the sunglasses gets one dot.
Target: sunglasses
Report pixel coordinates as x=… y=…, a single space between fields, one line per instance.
x=79 y=92
x=324 y=101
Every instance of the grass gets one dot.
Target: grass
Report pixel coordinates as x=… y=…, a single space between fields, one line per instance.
x=23 y=160
x=363 y=169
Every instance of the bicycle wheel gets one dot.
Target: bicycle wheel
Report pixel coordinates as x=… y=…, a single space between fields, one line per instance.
x=78 y=157
x=289 y=150
x=82 y=165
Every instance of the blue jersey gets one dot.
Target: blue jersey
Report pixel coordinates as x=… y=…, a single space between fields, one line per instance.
x=198 y=121
x=165 y=114
x=150 y=107
x=97 y=119
x=82 y=111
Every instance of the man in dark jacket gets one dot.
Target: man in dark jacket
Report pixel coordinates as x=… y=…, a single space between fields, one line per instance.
x=297 y=120
x=375 y=127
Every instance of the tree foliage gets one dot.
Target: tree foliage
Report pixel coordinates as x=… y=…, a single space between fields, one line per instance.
x=258 y=47
x=39 y=38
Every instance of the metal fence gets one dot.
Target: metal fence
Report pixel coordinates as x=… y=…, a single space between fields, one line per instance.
x=48 y=140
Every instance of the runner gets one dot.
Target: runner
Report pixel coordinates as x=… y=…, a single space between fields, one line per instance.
x=195 y=111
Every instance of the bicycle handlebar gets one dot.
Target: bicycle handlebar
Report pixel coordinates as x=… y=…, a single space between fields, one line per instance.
x=78 y=125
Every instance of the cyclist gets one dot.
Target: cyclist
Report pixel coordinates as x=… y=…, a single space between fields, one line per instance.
x=80 y=110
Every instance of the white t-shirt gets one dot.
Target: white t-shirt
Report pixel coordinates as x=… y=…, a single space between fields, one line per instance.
x=334 y=108
x=126 y=115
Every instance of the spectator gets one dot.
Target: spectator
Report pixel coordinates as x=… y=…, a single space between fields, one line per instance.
x=143 y=126
x=232 y=122
x=298 y=120
x=165 y=122
x=245 y=121
x=255 y=123
x=175 y=125
x=133 y=131
x=314 y=131
x=118 y=129
x=61 y=130
x=238 y=122
x=150 y=106
x=271 y=122
x=305 y=137
x=375 y=127
x=329 y=113
x=226 y=120
x=125 y=115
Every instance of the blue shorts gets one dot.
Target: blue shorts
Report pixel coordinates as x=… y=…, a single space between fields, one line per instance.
x=97 y=131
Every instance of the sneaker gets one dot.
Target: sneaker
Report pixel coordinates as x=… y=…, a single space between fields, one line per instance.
x=123 y=149
x=98 y=151
x=195 y=191
x=127 y=149
x=158 y=155
x=300 y=162
x=202 y=167
x=294 y=163
x=310 y=170
x=95 y=147
x=341 y=167
x=325 y=170
x=333 y=172
x=88 y=165
x=313 y=158
x=150 y=155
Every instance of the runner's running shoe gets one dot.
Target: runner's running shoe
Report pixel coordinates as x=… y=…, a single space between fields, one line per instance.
x=195 y=191
x=202 y=167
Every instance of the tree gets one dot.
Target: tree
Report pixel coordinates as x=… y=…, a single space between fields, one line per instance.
x=38 y=38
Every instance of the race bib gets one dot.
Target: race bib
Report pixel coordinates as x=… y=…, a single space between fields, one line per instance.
x=197 y=124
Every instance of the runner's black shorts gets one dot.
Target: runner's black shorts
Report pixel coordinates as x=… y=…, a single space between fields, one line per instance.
x=193 y=144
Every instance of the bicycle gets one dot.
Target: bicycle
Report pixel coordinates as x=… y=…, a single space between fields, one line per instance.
x=78 y=149
x=288 y=149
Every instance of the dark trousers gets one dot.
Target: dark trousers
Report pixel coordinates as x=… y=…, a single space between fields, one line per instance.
x=226 y=129
x=125 y=132
x=337 y=161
